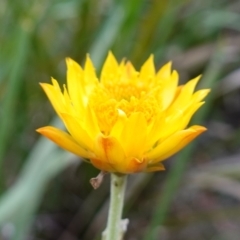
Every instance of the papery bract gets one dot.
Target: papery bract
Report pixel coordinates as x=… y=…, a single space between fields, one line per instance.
x=126 y=121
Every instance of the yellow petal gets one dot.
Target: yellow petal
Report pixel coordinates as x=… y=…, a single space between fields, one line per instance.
x=117 y=129
x=63 y=140
x=165 y=126
x=147 y=70
x=68 y=102
x=109 y=150
x=200 y=95
x=187 y=115
x=110 y=69
x=91 y=122
x=168 y=89
x=184 y=96
x=130 y=70
x=165 y=71
x=134 y=133
x=90 y=77
x=75 y=84
x=156 y=130
x=178 y=121
x=174 y=143
x=75 y=128
x=55 y=96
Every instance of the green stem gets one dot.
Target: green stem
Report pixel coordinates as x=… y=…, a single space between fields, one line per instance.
x=118 y=185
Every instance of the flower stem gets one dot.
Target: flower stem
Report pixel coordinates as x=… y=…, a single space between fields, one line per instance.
x=114 y=229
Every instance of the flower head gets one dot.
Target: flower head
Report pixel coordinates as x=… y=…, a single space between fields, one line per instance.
x=126 y=121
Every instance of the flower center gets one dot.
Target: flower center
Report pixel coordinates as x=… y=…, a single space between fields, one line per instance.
x=125 y=90
x=124 y=93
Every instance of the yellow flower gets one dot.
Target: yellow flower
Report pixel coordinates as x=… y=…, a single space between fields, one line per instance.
x=127 y=121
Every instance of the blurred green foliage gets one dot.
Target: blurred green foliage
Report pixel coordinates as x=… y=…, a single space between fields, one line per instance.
x=45 y=192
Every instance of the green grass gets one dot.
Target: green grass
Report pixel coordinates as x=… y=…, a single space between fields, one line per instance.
x=38 y=178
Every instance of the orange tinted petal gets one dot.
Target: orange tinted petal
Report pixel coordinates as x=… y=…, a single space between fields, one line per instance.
x=109 y=150
x=63 y=140
x=133 y=165
x=102 y=165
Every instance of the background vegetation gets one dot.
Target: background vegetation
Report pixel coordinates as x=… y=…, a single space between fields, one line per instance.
x=45 y=192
